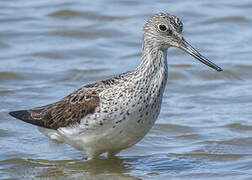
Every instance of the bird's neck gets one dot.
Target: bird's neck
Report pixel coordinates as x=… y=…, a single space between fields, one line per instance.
x=151 y=75
x=154 y=61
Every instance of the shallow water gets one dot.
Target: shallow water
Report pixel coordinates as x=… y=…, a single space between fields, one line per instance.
x=50 y=48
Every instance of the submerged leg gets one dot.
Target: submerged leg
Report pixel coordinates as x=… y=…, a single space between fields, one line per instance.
x=92 y=155
x=111 y=154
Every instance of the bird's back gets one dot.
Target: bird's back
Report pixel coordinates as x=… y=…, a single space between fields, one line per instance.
x=69 y=110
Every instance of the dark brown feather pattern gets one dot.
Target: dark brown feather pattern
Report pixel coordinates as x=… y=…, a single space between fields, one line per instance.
x=69 y=110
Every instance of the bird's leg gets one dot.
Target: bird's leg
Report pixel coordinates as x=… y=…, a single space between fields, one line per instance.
x=92 y=155
x=111 y=154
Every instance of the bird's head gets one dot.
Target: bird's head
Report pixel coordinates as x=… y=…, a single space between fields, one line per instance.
x=164 y=30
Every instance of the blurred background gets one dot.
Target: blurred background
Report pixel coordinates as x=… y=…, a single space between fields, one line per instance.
x=50 y=48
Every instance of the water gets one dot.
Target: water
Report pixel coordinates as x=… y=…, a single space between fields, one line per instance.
x=50 y=48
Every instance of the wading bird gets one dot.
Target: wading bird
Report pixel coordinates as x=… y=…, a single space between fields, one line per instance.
x=116 y=113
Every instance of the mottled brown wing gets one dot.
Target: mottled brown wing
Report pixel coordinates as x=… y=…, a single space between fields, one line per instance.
x=69 y=110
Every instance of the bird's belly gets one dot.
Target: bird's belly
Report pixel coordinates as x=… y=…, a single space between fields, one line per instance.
x=121 y=133
x=135 y=126
x=123 y=136
x=116 y=128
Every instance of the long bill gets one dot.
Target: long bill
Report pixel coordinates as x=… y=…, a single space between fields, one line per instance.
x=193 y=52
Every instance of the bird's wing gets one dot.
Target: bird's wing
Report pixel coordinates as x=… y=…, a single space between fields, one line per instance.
x=69 y=110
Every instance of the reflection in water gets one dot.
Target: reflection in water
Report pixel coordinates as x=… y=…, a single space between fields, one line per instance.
x=40 y=168
x=117 y=168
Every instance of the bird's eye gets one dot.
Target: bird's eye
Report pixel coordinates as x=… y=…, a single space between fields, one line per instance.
x=162 y=27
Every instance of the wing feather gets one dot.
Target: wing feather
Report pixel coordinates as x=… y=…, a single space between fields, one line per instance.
x=69 y=110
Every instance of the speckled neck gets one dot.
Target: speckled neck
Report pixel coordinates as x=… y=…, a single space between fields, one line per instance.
x=153 y=61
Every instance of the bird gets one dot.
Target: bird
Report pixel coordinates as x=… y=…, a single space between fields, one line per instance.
x=116 y=113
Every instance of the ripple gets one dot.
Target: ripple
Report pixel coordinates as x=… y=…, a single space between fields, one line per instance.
x=229 y=19
x=67 y=14
x=4 y=133
x=86 y=34
x=84 y=71
x=80 y=75
x=235 y=146
x=3 y=45
x=17 y=19
x=5 y=91
x=166 y=162
x=214 y=156
x=239 y=127
x=190 y=136
x=245 y=67
x=133 y=55
x=28 y=162
x=42 y=168
x=176 y=75
x=10 y=76
x=213 y=76
x=182 y=66
x=247 y=142
x=49 y=55
x=173 y=128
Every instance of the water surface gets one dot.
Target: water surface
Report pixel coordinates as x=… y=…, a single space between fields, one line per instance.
x=50 y=48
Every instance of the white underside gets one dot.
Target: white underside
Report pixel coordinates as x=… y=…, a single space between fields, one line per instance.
x=104 y=138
